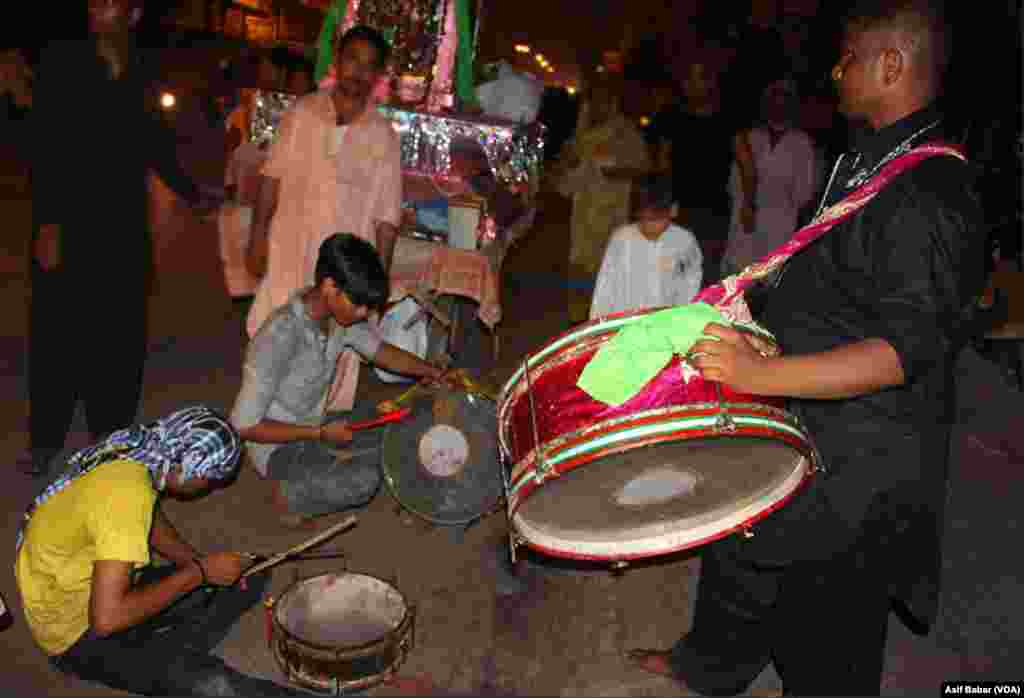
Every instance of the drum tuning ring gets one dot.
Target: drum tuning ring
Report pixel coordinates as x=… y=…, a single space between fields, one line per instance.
x=620 y=566
x=514 y=542
x=724 y=423
x=748 y=533
x=543 y=471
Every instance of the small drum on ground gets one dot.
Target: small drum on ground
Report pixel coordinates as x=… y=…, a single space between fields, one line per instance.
x=441 y=462
x=341 y=632
x=681 y=464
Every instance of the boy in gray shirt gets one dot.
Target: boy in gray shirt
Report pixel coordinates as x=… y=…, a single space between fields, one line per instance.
x=289 y=368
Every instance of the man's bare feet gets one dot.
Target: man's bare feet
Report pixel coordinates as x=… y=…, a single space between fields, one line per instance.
x=653 y=661
x=418 y=685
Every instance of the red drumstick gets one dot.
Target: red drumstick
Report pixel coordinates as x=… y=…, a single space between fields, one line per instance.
x=395 y=416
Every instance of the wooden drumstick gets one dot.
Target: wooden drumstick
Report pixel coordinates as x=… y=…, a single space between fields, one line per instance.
x=305 y=545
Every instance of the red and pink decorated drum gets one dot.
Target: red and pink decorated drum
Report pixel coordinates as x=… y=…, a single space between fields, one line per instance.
x=682 y=463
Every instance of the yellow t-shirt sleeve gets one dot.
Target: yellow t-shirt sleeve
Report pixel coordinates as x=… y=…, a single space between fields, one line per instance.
x=120 y=525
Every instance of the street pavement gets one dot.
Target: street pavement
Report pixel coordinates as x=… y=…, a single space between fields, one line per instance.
x=549 y=630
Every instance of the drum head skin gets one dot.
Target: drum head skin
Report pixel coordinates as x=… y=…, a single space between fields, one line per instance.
x=442 y=462
x=660 y=498
x=341 y=611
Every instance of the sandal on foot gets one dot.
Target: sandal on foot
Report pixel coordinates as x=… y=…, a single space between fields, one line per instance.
x=652 y=661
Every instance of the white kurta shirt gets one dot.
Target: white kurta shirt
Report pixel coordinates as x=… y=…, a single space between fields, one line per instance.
x=638 y=273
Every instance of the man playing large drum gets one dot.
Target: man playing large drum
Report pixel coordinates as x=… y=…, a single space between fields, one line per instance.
x=869 y=321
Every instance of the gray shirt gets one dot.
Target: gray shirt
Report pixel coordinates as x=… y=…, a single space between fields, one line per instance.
x=289 y=367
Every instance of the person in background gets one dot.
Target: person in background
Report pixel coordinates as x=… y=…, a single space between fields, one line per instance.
x=606 y=154
x=649 y=263
x=335 y=165
x=784 y=180
x=90 y=200
x=695 y=140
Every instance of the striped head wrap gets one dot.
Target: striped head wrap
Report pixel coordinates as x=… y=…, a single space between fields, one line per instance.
x=200 y=441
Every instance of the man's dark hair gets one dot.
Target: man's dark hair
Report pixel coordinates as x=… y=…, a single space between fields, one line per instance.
x=922 y=21
x=281 y=57
x=355 y=267
x=302 y=65
x=653 y=191
x=369 y=35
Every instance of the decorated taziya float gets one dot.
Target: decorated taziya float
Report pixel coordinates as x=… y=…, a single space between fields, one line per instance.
x=429 y=91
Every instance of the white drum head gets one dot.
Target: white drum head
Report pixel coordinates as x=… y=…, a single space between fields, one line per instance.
x=659 y=499
x=443 y=451
x=341 y=611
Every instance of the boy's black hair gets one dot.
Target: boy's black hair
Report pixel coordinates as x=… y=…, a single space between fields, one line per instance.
x=653 y=191
x=355 y=267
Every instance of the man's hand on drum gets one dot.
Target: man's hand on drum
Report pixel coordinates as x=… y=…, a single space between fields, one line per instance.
x=734 y=358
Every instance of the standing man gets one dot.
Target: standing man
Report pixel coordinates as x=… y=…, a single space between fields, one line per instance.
x=96 y=138
x=870 y=319
x=334 y=167
x=696 y=141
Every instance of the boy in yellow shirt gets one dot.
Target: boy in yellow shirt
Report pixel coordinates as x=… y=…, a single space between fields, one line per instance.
x=90 y=599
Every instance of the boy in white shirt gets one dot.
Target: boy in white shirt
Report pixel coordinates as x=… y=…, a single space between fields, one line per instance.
x=651 y=262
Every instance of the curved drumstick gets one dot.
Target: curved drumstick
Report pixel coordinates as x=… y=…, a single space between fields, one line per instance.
x=305 y=545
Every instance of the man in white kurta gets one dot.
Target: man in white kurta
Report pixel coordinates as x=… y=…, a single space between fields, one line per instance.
x=334 y=167
x=652 y=262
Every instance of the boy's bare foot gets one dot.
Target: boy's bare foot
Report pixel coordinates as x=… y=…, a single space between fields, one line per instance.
x=418 y=685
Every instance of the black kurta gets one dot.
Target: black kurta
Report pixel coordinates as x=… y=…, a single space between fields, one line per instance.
x=94 y=140
x=906 y=269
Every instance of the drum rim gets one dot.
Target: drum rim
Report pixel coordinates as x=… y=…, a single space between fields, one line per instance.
x=606 y=323
x=395 y=632
x=526 y=479
x=780 y=495
x=697 y=414
x=553 y=354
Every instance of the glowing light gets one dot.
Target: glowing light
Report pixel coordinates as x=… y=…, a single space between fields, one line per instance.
x=571 y=90
x=540 y=58
x=600 y=68
x=167 y=100
x=645 y=121
x=522 y=48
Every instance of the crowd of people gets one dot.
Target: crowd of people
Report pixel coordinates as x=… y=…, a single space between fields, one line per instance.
x=869 y=319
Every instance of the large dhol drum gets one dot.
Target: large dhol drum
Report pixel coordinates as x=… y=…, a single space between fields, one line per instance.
x=682 y=463
x=341 y=632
